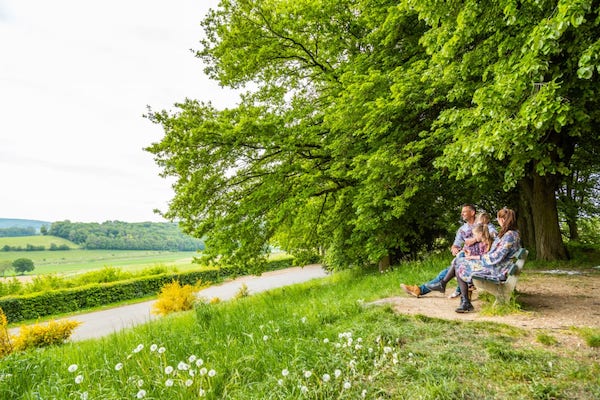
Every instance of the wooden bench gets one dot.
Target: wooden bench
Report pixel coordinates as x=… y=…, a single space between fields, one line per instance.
x=503 y=289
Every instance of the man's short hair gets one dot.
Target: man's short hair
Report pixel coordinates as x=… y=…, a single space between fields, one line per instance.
x=471 y=206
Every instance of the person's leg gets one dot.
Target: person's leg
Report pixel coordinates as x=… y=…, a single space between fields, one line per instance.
x=440 y=285
x=422 y=290
x=465 y=303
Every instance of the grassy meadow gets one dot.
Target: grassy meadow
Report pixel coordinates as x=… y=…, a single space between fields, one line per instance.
x=68 y=262
x=317 y=340
x=37 y=240
x=76 y=261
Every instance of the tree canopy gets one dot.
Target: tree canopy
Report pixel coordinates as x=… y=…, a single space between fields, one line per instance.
x=23 y=265
x=365 y=124
x=118 y=235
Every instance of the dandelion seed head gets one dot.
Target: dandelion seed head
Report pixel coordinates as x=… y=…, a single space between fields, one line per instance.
x=118 y=366
x=307 y=374
x=347 y=385
x=84 y=396
x=153 y=348
x=161 y=350
x=78 y=379
x=265 y=338
x=140 y=383
x=169 y=382
x=212 y=373
x=73 y=367
x=189 y=382
x=139 y=348
x=141 y=394
x=363 y=394
x=326 y=377
x=201 y=392
x=192 y=372
x=280 y=382
x=168 y=370
x=192 y=358
x=303 y=320
x=303 y=389
x=183 y=366
x=203 y=371
x=337 y=373
x=325 y=340
x=199 y=362
x=387 y=350
x=285 y=372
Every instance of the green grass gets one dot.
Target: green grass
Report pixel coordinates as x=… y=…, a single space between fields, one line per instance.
x=76 y=261
x=318 y=340
x=37 y=240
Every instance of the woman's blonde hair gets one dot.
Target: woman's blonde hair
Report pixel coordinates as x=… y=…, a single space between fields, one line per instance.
x=486 y=236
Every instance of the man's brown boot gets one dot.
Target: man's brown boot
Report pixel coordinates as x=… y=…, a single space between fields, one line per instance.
x=411 y=289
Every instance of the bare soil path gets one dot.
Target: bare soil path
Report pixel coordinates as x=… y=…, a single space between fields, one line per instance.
x=553 y=303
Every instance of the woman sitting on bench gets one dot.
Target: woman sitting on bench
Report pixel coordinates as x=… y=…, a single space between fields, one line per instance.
x=494 y=263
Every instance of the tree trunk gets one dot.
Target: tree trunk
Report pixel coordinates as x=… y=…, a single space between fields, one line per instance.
x=525 y=215
x=541 y=197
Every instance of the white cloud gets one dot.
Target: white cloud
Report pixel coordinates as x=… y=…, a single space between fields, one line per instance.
x=75 y=79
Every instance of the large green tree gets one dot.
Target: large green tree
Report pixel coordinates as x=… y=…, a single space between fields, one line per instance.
x=528 y=71
x=23 y=265
x=359 y=112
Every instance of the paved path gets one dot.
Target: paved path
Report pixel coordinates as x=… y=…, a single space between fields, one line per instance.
x=100 y=323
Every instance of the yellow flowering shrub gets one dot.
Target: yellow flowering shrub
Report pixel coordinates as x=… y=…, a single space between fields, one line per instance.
x=38 y=335
x=5 y=342
x=173 y=297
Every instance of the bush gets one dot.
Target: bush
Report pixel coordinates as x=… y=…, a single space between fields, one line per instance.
x=173 y=297
x=5 y=342
x=54 y=332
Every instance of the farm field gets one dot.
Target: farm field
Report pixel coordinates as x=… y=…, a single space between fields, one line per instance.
x=38 y=240
x=69 y=262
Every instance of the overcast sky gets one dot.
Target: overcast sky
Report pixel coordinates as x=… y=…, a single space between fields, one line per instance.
x=75 y=79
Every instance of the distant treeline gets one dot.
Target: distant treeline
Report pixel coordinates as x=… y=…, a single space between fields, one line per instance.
x=31 y=247
x=15 y=231
x=117 y=235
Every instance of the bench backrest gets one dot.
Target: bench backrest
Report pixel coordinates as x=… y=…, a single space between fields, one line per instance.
x=519 y=260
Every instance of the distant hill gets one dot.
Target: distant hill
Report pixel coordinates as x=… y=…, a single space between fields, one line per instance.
x=23 y=223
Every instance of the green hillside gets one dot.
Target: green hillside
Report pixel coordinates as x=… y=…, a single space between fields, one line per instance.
x=38 y=240
x=22 y=223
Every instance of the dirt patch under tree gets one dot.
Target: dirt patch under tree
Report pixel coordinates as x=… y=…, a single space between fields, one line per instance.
x=552 y=303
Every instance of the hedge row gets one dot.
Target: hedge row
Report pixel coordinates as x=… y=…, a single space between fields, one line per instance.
x=33 y=306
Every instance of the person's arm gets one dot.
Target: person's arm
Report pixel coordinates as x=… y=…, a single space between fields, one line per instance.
x=459 y=240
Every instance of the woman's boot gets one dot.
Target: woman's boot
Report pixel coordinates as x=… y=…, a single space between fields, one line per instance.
x=465 y=304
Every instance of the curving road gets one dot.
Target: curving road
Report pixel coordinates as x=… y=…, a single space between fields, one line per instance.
x=100 y=323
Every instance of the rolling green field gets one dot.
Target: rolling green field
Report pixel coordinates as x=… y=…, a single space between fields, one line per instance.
x=38 y=240
x=75 y=261
x=68 y=262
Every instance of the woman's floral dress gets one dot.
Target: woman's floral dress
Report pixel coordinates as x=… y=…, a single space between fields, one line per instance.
x=493 y=264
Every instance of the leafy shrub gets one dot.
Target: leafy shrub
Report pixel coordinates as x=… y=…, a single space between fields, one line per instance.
x=104 y=275
x=52 y=333
x=5 y=342
x=11 y=287
x=174 y=297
